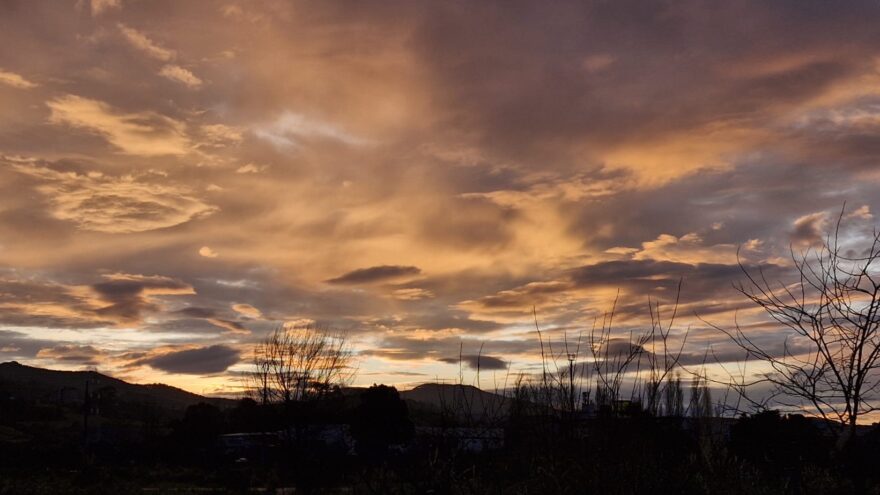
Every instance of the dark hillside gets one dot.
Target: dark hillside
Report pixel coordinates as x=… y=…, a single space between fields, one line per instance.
x=20 y=382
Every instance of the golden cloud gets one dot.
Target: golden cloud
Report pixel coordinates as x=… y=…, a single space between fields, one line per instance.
x=116 y=204
x=142 y=133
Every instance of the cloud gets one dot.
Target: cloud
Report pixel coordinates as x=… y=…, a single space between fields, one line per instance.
x=20 y=345
x=290 y=129
x=207 y=252
x=144 y=44
x=72 y=353
x=446 y=348
x=229 y=325
x=197 y=312
x=211 y=316
x=179 y=74
x=41 y=303
x=689 y=248
x=470 y=223
x=153 y=50
x=100 y=6
x=412 y=294
x=375 y=274
x=247 y=310
x=15 y=80
x=862 y=213
x=599 y=62
x=220 y=135
x=116 y=204
x=126 y=296
x=515 y=167
x=809 y=229
x=142 y=133
x=251 y=168
x=197 y=361
x=523 y=298
x=118 y=300
x=616 y=349
x=476 y=361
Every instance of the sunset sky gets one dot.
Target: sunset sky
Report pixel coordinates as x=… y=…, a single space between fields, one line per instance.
x=179 y=178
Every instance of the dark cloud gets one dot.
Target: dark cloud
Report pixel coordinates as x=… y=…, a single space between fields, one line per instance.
x=644 y=277
x=41 y=303
x=375 y=274
x=229 y=325
x=809 y=229
x=399 y=347
x=19 y=345
x=204 y=360
x=76 y=354
x=478 y=362
x=127 y=296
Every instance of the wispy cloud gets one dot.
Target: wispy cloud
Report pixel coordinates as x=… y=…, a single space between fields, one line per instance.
x=140 y=41
x=15 y=80
x=290 y=129
x=247 y=310
x=179 y=74
x=116 y=204
x=142 y=133
x=100 y=6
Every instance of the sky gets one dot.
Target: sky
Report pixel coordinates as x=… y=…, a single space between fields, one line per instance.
x=179 y=178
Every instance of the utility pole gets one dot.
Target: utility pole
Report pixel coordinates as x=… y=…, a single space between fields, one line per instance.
x=571 y=360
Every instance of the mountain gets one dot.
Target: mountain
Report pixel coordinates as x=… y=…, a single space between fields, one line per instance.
x=464 y=402
x=432 y=400
x=51 y=386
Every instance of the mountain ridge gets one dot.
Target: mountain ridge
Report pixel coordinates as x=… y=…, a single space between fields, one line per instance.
x=30 y=382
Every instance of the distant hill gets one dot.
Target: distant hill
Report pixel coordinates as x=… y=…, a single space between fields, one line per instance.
x=429 y=401
x=464 y=402
x=52 y=386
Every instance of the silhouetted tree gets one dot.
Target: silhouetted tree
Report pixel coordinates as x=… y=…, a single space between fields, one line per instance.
x=833 y=310
x=673 y=397
x=701 y=399
x=201 y=424
x=297 y=363
x=247 y=415
x=778 y=444
x=380 y=420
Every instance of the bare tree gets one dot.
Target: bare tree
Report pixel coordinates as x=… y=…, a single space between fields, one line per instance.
x=832 y=312
x=647 y=359
x=296 y=363
x=661 y=357
x=612 y=358
x=633 y=364
x=260 y=379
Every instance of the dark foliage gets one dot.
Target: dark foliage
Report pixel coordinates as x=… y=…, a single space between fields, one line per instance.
x=44 y=448
x=780 y=444
x=380 y=420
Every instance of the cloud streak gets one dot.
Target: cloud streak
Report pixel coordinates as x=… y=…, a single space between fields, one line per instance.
x=116 y=204
x=142 y=133
x=375 y=274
